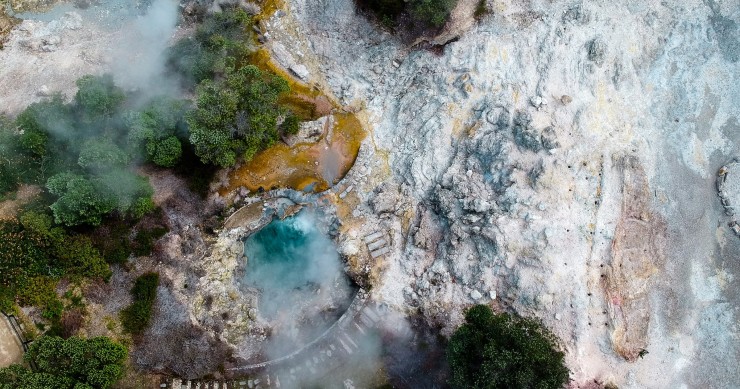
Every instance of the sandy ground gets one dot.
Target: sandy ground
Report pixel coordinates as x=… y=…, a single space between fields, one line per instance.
x=11 y=350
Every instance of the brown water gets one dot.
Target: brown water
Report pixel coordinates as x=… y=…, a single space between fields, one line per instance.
x=305 y=166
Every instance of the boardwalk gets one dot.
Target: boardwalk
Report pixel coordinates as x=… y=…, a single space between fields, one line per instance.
x=327 y=353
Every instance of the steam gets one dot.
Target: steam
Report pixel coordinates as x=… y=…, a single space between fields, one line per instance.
x=303 y=288
x=139 y=60
x=304 y=291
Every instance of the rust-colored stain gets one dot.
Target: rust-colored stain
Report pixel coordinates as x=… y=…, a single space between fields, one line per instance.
x=305 y=166
x=268 y=7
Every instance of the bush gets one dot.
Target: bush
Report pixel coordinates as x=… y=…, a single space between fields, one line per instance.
x=145 y=238
x=291 y=125
x=34 y=256
x=432 y=12
x=135 y=318
x=220 y=39
x=502 y=351
x=73 y=363
x=236 y=116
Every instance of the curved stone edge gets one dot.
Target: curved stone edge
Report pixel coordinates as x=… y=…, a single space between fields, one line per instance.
x=340 y=189
x=724 y=196
x=357 y=304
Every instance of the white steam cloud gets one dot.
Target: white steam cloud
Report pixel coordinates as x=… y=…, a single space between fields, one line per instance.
x=139 y=61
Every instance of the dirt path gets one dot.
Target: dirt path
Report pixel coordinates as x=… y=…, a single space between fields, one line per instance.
x=11 y=350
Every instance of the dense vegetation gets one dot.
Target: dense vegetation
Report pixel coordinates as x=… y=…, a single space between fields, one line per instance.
x=425 y=13
x=95 y=209
x=503 y=351
x=73 y=363
x=34 y=255
x=83 y=153
x=135 y=318
x=220 y=42
x=236 y=116
x=237 y=112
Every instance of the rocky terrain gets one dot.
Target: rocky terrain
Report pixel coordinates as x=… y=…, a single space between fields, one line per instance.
x=561 y=160
x=557 y=160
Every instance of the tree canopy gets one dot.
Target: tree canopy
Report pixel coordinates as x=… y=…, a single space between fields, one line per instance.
x=72 y=363
x=222 y=38
x=156 y=130
x=236 y=116
x=503 y=351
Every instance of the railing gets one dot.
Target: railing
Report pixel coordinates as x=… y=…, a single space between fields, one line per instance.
x=18 y=330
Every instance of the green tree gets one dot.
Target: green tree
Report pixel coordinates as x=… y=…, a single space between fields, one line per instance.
x=155 y=130
x=97 y=97
x=19 y=377
x=82 y=200
x=101 y=154
x=236 y=116
x=221 y=38
x=503 y=351
x=79 y=201
x=426 y=13
x=39 y=120
x=130 y=193
x=71 y=363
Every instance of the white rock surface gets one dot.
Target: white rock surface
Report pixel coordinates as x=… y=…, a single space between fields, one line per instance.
x=508 y=149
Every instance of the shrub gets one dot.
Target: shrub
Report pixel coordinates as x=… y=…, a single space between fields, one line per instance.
x=135 y=318
x=34 y=255
x=145 y=238
x=72 y=363
x=502 y=351
x=432 y=12
x=291 y=125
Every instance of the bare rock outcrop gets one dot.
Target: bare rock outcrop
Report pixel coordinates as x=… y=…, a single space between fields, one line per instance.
x=637 y=254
